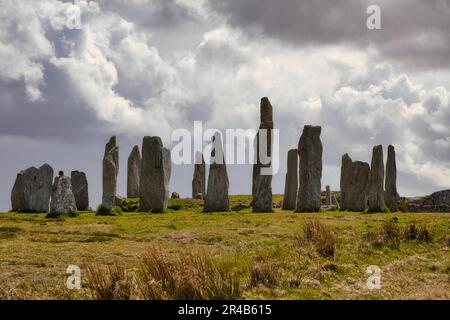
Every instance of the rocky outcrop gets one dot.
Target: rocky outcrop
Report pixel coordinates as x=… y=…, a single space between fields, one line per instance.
x=32 y=190
x=436 y=202
x=310 y=170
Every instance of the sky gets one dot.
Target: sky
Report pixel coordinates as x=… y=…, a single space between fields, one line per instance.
x=147 y=67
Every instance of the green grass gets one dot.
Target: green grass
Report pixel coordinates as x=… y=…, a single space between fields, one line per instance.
x=263 y=249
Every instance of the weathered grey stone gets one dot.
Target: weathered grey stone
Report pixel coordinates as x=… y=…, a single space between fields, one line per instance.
x=262 y=180
x=199 y=196
x=354 y=184
x=80 y=190
x=110 y=172
x=216 y=199
x=32 y=190
x=328 y=197
x=436 y=202
x=391 y=196
x=62 y=200
x=376 y=180
x=175 y=195
x=310 y=170
x=199 y=178
x=156 y=167
x=133 y=173
x=291 y=181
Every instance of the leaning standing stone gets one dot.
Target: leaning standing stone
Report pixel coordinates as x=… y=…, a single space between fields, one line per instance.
x=217 y=193
x=156 y=169
x=133 y=173
x=376 y=180
x=63 y=200
x=199 y=178
x=80 y=190
x=110 y=172
x=32 y=190
x=262 y=175
x=310 y=170
x=291 y=182
x=391 y=195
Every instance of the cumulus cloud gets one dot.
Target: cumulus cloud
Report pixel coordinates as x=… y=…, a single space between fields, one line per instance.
x=414 y=32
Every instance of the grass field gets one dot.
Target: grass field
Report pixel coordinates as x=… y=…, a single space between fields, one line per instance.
x=280 y=255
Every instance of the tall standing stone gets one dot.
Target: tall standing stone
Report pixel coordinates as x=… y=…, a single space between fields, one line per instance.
x=32 y=190
x=110 y=172
x=262 y=175
x=328 y=197
x=354 y=184
x=291 y=181
x=156 y=167
x=199 y=178
x=310 y=170
x=376 y=180
x=391 y=195
x=133 y=173
x=217 y=192
x=80 y=189
x=63 y=200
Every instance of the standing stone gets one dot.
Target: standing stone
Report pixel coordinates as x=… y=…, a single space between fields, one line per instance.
x=156 y=169
x=354 y=184
x=291 y=181
x=80 y=190
x=199 y=178
x=32 y=190
x=262 y=181
x=133 y=173
x=391 y=195
x=328 y=198
x=310 y=170
x=216 y=199
x=110 y=172
x=376 y=180
x=63 y=200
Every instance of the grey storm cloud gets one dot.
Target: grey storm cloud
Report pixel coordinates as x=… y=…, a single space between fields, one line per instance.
x=414 y=32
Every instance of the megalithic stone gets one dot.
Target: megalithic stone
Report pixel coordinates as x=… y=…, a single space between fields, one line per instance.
x=217 y=192
x=199 y=177
x=376 y=180
x=391 y=195
x=328 y=198
x=345 y=181
x=62 y=200
x=262 y=176
x=310 y=170
x=32 y=190
x=110 y=172
x=354 y=184
x=133 y=173
x=291 y=182
x=156 y=167
x=80 y=190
